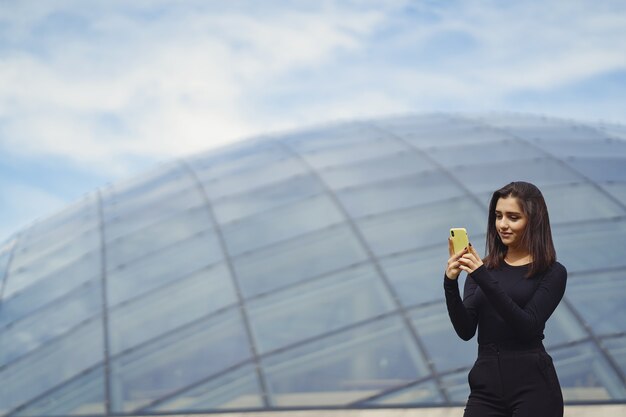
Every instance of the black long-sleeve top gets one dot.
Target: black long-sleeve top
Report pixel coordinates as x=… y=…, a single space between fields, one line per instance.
x=509 y=309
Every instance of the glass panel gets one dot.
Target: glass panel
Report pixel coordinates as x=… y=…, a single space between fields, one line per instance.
x=509 y=120
x=235 y=390
x=170 y=307
x=83 y=395
x=22 y=275
x=612 y=130
x=421 y=226
x=346 y=367
x=406 y=192
x=446 y=351
x=63 y=238
x=454 y=135
x=178 y=360
x=601 y=169
x=437 y=130
x=617 y=190
x=151 y=271
x=375 y=170
x=558 y=131
x=456 y=387
x=157 y=236
x=51 y=365
x=2 y=275
x=490 y=177
x=295 y=261
x=355 y=152
x=5 y=255
x=617 y=349
x=563 y=327
x=281 y=224
x=51 y=287
x=64 y=235
x=420 y=394
x=26 y=256
x=69 y=222
x=331 y=137
x=588 y=148
x=479 y=153
x=578 y=202
x=294 y=189
x=420 y=121
x=318 y=307
x=586 y=376
x=163 y=180
x=418 y=276
x=171 y=200
x=154 y=210
x=599 y=298
x=591 y=246
x=239 y=157
x=38 y=329
x=251 y=179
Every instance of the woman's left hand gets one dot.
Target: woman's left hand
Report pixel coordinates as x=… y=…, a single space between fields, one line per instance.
x=471 y=261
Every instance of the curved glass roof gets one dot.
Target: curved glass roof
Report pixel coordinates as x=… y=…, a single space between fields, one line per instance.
x=305 y=270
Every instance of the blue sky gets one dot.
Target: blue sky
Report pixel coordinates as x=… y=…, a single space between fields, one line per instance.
x=92 y=92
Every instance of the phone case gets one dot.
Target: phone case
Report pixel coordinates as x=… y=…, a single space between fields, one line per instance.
x=459 y=238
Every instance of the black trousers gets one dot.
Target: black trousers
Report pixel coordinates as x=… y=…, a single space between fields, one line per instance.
x=519 y=383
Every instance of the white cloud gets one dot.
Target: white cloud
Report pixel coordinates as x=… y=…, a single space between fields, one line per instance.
x=175 y=85
x=159 y=79
x=525 y=45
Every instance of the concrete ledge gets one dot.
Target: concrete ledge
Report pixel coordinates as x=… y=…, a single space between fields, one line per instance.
x=613 y=410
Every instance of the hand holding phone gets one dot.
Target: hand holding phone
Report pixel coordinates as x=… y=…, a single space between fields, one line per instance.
x=457 y=242
x=459 y=238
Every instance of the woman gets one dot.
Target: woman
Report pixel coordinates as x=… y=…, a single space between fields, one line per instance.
x=509 y=296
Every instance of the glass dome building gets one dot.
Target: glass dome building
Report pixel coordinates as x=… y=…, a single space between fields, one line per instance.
x=305 y=270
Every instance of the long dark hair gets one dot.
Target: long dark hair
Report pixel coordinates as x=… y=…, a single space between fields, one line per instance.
x=537 y=236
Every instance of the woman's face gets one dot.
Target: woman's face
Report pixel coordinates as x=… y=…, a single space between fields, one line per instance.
x=510 y=221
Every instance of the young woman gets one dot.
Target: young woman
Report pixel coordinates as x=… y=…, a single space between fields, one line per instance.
x=509 y=295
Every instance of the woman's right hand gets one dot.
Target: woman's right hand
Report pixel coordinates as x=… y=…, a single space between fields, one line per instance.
x=454 y=266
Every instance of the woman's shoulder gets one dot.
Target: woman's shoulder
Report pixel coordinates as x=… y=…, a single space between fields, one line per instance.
x=558 y=268
x=556 y=271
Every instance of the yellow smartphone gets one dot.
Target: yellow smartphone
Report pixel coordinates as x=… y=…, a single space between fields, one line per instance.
x=459 y=238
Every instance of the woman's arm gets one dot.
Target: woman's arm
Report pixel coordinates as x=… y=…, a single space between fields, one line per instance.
x=463 y=313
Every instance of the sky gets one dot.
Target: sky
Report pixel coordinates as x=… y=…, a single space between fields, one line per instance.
x=92 y=92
